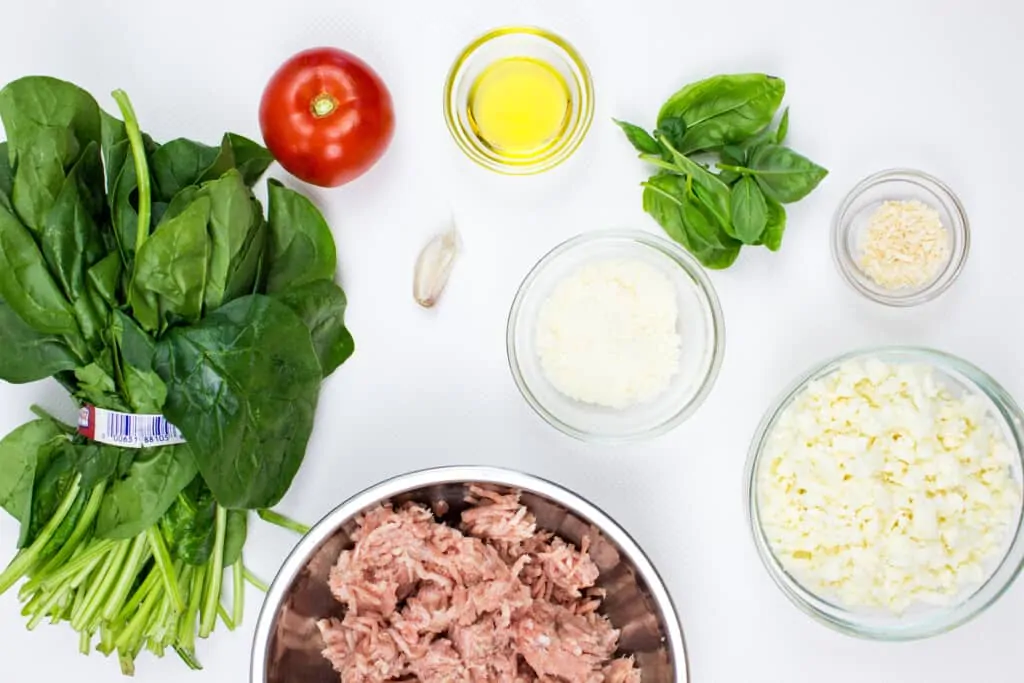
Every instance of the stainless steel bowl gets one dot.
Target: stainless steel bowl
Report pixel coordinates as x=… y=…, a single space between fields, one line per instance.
x=287 y=644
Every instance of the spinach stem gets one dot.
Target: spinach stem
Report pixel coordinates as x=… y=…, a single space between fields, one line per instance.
x=238 y=591
x=131 y=125
x=187 y=625
x=166 y=567
x=102 y=586
x=136 y=556
x=82 y=527
x=216 y=576
x=225 y=617
x=42 y=413
x=255 y=580
x=277 y=519
x=26 y=559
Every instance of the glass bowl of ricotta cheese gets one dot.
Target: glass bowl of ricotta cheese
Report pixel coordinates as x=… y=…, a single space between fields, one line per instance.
x=615 y=336
x=884 y=492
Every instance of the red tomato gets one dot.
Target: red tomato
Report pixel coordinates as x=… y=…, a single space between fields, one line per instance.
x=326 y=116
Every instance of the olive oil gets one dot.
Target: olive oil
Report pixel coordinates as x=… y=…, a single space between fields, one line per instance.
x=519 y=106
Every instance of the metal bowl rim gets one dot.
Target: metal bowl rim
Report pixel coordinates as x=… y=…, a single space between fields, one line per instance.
x=322 y=530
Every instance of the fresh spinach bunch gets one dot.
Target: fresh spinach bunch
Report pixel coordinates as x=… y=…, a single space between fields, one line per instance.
x=714 y=214
x=147 y=278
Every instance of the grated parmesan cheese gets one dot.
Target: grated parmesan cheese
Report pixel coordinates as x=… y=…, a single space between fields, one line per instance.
x=607 y=334
x=881 y=488
x=904 y=246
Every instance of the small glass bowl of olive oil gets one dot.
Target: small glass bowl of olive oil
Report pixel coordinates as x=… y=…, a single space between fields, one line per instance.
x=519 y=100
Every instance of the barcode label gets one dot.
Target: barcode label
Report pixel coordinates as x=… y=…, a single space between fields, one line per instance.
x=127 y=430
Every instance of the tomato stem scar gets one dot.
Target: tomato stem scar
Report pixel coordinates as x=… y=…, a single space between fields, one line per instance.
x=323 y=105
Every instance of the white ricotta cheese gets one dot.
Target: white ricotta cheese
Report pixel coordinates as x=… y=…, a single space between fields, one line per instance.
x=607 y=333
x=881 y=488
x=904 y=246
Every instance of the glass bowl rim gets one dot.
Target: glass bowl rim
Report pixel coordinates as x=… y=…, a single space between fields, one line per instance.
x=559 y=153
x=949 y=274
x=706 y=292
x=1004 y=573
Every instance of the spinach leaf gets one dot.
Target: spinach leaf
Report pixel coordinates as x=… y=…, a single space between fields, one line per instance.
x=783 y=130
x=138 y=500
x=105 y=277
x=178 y=164
x=146 y=391
x=19 y=459
x=301 y=248
x=639 y=138
x=170 y=269
x=784 y=175
x=48 y=122
x=776 y=225
x=321 y=306
x=98 y=462
x=55 y=474
x=188 y=525
x=136 y=346
x=242 y=387
x=96 y=384
x=724 y=109
x=749 y=211
x=245 y=277
x=26 y=284
x=234 y=536
x=27 y=355
x=232 y=217
x=251 y=159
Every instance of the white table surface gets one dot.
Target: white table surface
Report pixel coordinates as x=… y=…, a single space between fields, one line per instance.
x=934 y=84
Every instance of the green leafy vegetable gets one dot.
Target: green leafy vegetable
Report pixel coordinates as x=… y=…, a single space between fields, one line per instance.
x=146 y=278
x=243 y=382
x=723 y=109
x=712 y=214
x=749 y=211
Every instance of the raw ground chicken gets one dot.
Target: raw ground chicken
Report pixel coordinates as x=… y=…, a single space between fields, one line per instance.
x=500 y=602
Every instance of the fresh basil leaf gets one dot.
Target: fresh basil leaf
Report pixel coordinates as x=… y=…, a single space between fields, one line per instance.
x=301 y=248
x=723 y=109
x=783 y=130
x=235 y=535
x=26 y=284
x=776 y=225
x=136 y=502
x=171 y=269
x=639 y=138
x=48 y=123
x=687 y=221
x=233 y=216
x=729 y=177
x=673 y=128
x=749 y=211
x=19 y=459
x=784 y=175
x=712 y=191
x=733 y=155
x=242 y=387
x=29 y=356
x=321 y=306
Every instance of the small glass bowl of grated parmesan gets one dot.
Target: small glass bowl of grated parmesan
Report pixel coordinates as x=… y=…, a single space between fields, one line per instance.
x=615 y=336
x=884 y=492
x=900 y=237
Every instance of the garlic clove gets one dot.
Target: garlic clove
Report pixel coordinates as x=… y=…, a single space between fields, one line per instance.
x=434 y=267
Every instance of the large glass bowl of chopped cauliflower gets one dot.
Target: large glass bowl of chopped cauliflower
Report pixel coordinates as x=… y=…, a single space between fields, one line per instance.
x=884 y=492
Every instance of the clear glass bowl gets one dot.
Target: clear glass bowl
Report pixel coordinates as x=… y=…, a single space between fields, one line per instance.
x=700 y=327
x=917 y=622
x=853 y=216
x=519 y=41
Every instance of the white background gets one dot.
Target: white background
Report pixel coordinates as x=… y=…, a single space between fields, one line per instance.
x=872 y=84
